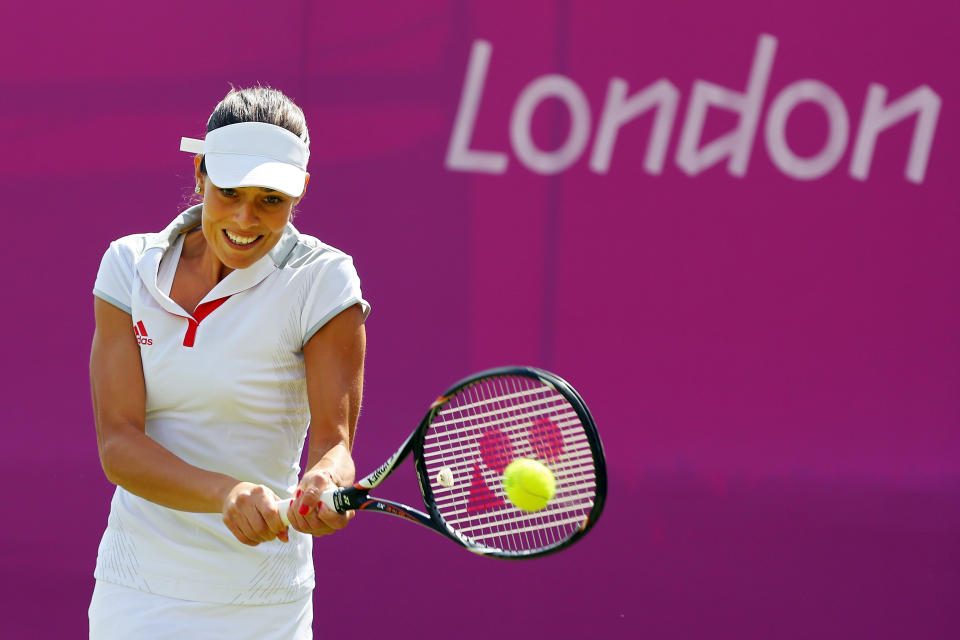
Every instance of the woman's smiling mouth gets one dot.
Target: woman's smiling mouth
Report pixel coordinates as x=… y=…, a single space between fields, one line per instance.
x=240 y=241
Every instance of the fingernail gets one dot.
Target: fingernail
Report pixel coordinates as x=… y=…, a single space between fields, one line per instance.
x=299 y=492
x=303 y=509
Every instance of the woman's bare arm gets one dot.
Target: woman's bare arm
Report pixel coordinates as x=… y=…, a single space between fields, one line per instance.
x=334 y=367
x=143 y=467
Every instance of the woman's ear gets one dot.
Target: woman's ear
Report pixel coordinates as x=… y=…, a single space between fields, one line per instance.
x=306 y=181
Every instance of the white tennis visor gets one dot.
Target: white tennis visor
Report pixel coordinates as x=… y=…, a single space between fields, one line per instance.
x=253 y=154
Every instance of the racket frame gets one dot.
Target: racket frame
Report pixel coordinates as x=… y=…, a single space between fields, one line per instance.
x=358 y=496
x=590 y=430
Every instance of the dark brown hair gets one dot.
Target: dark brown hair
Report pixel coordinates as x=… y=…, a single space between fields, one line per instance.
x=258 y=104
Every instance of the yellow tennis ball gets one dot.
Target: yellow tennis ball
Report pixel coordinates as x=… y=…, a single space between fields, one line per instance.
x=529 y=484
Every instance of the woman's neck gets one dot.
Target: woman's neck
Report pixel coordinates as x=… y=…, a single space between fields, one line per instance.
x=200 y=258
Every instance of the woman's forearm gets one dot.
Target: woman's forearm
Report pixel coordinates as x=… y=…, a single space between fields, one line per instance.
x=334 y=459
x=143 y=467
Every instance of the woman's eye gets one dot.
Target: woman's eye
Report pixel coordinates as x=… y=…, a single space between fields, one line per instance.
x=273 y=199
x=228 y=193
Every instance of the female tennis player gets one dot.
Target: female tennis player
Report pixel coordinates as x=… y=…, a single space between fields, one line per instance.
x=220 y=342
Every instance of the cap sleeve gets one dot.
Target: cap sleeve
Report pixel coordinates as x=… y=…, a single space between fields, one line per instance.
x=336 y=287
x=114 y=282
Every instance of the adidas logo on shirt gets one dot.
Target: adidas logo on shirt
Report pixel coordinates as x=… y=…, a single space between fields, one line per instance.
x=141 y=332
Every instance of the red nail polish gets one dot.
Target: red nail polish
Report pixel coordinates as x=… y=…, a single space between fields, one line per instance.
x=304 y=509
x=299 y=492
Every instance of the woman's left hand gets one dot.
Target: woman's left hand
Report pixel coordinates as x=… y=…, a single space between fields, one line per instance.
x=308 y=514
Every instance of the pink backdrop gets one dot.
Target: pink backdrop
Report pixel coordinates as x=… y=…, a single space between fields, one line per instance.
x=729 y=225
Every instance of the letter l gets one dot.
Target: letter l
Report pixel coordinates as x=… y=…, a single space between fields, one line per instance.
x=459 y=156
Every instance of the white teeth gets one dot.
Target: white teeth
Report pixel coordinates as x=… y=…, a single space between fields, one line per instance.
x=240 y=239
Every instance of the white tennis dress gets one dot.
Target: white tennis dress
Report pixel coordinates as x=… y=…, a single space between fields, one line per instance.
x=225 y=391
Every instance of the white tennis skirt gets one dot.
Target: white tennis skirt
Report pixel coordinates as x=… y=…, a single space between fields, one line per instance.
x=122 y=613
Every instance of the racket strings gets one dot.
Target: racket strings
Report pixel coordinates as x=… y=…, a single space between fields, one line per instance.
x=566 y=472
x=483 y=428
x=566 y=419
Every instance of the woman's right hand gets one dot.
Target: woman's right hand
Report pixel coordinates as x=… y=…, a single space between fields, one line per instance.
x=251 y=512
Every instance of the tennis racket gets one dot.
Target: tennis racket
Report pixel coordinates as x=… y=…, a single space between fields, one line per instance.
x=461 y=448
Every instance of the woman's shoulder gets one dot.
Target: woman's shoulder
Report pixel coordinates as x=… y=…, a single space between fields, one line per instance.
x=312 y=253
x=132 y=247
x=133 y=243
x=128 y=249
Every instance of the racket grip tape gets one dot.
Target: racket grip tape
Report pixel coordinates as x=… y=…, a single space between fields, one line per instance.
x=284 y=505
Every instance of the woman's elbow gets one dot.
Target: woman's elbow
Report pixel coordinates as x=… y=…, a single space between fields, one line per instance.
x=113 y=458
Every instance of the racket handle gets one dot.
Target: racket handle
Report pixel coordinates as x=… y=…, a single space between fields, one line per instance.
x=284 y=505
